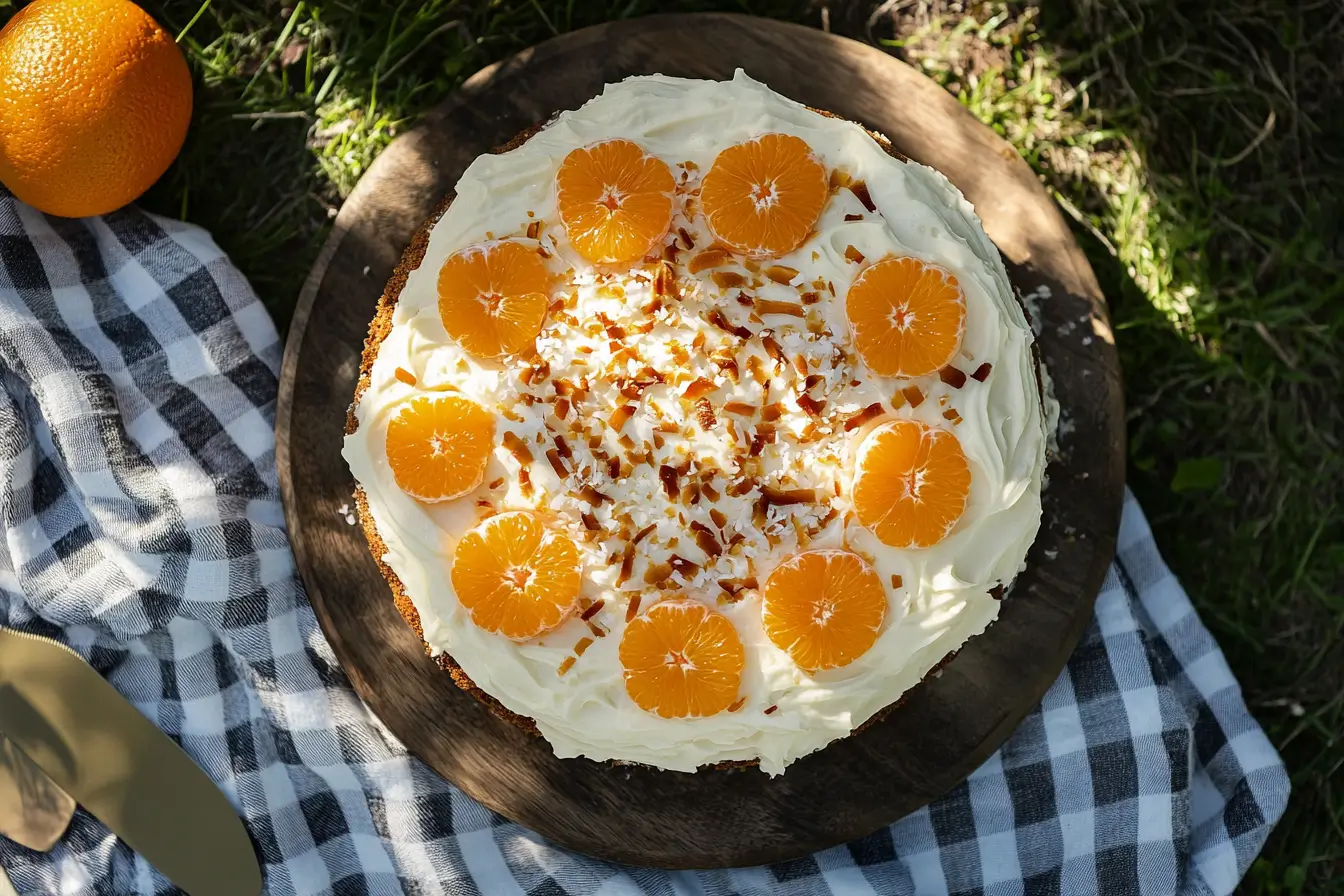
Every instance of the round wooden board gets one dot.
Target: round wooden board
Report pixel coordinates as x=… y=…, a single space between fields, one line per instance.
x=643 y=816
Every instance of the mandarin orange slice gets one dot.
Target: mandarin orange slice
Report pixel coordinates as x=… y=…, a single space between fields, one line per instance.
x=615 y=200
x=823 y=608
x=682 y=659
x=493 y=297
x=438 y=448
x=911 y=482
x=515 y=576
x=907 y=317
x=762 y=197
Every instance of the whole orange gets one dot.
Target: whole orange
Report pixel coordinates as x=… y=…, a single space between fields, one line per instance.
x=95 y=99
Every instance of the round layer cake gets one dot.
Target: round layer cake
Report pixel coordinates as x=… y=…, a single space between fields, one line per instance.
x=698 y=428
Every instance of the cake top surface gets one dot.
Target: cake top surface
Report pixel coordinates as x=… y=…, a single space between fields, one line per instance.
x=692 y=420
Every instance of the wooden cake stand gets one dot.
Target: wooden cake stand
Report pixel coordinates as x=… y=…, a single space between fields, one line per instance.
x=640 y=815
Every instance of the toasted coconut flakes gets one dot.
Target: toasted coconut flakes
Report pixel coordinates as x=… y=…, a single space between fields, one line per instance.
x=710 y=258
x=704 y=413
x=997 y=592
x=811 y=405
x=913 y=395
x=740 y=407
x=595 y=446
x=737 y=704
x=627 y=565
x=561 y=407
x=757 y=446
x=668 y=426
x=950 y=414
x=632 y=609
x=690 y=493
x=589 y=521
x=533 y=230
x=747 y=301
x=621 y=416
x=565 y=665
x=812 y=381
x=810 y=298
x=705 y=539
x=853 y=255
x=754 y=368
x=525 y=482
x=982 y=372
x=698 y=387
x=860 y=191
x=770 y=709
x=685 y=568
x=563 y=447
x=715 y=317
x=592 y=496
x=669 y=477
x=853 y=217
x=626 y=442
x=740 y=487
x=686 y=240
x=517 y=447
x=772 y=348
x=872 y=412
x=614 y=468
x=782 y=497
x=896 y=581
x=657 y=573
x=720 y=519
x=556 y=463
x=665 y=282
x=582 y=645
x=510 y=415
x=952 y=376
x=404 y=376
x=728 y=279
x=780 y=273
x=698 y=341
x=770 y=306
x=495 y=483
x=658 y=442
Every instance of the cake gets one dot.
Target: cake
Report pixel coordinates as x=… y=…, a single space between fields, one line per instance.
x=698 y=427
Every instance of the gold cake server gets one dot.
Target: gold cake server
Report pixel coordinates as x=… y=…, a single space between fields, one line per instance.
x=34 y=812
x=96 y=747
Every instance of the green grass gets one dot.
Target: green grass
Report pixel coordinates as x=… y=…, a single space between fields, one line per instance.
x=1195 y=145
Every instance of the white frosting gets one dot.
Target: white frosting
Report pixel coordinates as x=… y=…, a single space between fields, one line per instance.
x=944 y=595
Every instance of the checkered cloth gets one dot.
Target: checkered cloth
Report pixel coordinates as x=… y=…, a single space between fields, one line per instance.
x=142 y=526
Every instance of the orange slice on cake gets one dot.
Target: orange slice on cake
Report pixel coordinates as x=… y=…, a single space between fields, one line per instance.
x=907 y=317
x=823 y=608
x=911 y=482
x=438 y=448
x=762 y=197
x=493 y=297
x=515 y=576
x=682 y=659
x=615 y=201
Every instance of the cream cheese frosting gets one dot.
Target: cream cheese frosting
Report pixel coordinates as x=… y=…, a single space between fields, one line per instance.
x=607 y=330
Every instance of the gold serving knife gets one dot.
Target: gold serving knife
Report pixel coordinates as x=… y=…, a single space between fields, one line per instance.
x=74 y=726
x=34 y=812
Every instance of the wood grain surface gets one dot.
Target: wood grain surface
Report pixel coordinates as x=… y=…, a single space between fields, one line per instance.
x=644 y=816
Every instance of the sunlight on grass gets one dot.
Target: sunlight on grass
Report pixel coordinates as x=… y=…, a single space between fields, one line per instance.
x=998 y=68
